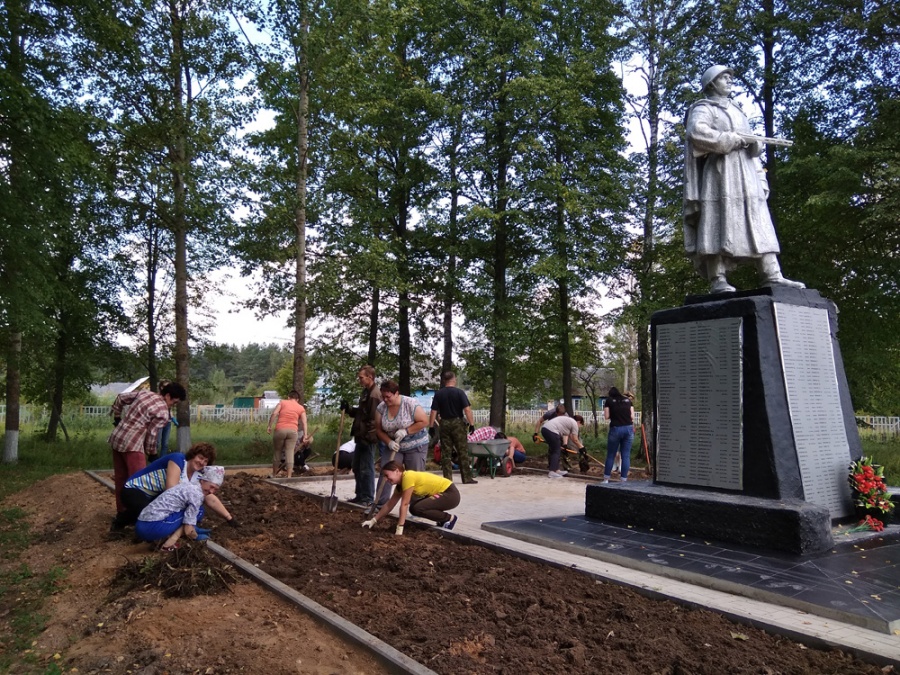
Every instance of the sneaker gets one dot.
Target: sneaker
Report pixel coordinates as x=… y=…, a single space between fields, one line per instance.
x=604 y=481
x=360 y=500
x=562 y=473
x=623 y=480
x=305 y=468
x=554 y=474
x=450 y=524
x=471 y=481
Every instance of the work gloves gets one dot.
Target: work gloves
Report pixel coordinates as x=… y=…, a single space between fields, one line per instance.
x=394 y=446
x=345 y=405
x=116 y=421
x=432 y=431
x=370 y=523
x=233 y=522
x=471 y=428
x=400 y=434
x=399 y=530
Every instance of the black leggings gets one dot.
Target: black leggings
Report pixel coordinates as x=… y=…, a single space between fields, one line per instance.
x=435 y=507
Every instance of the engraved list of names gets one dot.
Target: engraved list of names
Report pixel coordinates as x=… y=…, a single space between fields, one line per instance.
x=700 y=421
x=823 y=452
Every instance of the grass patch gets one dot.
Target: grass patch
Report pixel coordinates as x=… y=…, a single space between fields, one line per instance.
x=22 y=597
x=14 y=536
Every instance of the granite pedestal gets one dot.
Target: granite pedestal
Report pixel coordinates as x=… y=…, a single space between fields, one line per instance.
x=754 y=429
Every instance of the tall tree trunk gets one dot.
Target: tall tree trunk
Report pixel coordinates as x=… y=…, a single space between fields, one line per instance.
x=450 y=278
x=562 y=243
x=300 y=214
x=59 y=379
x=648 y=251
x=11 y=427
x=404 y=341
x=152 y=269
x=180 y=162
x=373 y=327
x=500 y=291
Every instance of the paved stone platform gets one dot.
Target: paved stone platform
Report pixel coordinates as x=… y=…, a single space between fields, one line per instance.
x=848 y=598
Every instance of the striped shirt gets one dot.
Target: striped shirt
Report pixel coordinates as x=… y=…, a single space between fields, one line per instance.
x=147 y=414
x=152 y=479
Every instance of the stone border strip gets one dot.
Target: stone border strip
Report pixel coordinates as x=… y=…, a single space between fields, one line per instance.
x=396 y=660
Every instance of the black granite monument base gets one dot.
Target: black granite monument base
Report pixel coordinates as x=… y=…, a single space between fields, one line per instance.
x=790 y=525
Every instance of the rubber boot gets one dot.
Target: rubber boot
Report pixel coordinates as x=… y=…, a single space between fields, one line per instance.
x=716 y=272
x=770 y=271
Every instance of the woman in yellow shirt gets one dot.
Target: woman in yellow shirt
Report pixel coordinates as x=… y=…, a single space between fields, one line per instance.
x=423 y=494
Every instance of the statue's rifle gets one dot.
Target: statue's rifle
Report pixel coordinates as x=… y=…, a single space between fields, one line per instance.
x=766 y=140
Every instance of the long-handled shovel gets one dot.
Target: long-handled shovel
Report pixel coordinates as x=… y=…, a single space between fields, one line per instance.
x=330 y=504
x=370 y=509
x=646 y=449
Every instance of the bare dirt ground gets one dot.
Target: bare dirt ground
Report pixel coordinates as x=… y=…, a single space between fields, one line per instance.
x=246 y=630
x=454 y=607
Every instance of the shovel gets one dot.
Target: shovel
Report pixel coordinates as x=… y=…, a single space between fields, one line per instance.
x=370 y=509
x=330 y=504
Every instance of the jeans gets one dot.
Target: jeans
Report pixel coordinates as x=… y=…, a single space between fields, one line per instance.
x=619 y=440
x=164 y=438
x=364 y=470
x=554 y=448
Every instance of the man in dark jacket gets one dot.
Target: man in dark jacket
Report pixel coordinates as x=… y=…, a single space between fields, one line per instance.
x=363 y=432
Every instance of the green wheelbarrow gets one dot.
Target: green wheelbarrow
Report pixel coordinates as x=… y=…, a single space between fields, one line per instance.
x=489 y=457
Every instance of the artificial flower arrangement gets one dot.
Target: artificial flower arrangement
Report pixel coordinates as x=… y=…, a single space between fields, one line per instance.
x=870 y=495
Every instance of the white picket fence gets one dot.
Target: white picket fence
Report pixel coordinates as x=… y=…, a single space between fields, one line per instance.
x=870 y=426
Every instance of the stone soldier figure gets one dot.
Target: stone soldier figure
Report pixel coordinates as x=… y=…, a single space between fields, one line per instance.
x=726 y=218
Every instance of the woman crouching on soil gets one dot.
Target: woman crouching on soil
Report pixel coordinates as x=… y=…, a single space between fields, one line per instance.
x=164 y=474
x=178 y=510
x=423 y=494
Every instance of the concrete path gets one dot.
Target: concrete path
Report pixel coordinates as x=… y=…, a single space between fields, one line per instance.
x=537 y=496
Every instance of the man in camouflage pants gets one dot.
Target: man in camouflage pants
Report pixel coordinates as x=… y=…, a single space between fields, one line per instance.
x=453 y=406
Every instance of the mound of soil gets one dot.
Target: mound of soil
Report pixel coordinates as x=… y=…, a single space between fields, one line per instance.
x=462 y=608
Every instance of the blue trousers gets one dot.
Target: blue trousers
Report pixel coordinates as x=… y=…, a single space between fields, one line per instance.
x=619 y=440
x=153 y=530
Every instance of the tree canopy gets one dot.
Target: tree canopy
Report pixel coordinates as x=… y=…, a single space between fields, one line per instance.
x=424 y=185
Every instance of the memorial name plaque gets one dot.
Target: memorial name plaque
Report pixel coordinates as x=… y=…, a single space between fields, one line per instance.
x=810 y=378
x=699 y=403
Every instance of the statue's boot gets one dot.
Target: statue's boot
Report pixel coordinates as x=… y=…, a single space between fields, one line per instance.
x=719 y=283
x=770 y=271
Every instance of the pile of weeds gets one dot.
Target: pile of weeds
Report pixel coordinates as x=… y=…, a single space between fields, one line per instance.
x=183 y=573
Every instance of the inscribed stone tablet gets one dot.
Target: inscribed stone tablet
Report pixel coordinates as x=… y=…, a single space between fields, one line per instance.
x=699 y=403
x=807 y=359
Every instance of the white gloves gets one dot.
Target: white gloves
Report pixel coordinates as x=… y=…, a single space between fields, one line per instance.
x=400 y=434
x=399 y=530
x=369 y=523
x=394 y=446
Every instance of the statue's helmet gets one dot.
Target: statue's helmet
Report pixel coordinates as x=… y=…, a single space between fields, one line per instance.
x=711 y=74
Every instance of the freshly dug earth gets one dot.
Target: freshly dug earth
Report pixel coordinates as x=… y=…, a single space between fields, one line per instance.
x=461 y=608
x=456 y=608
x=92 y=628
